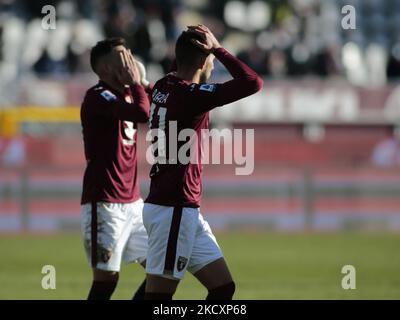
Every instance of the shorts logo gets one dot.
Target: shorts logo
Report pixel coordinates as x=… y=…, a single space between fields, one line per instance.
x=105 y=255
x=180 y=265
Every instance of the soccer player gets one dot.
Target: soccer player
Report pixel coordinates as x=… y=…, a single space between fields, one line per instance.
x=111 y=210
x=179 y=238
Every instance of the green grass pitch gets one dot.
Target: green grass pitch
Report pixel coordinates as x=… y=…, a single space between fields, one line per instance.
x=265 y=266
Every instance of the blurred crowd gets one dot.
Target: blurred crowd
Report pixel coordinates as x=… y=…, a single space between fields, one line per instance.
x=278 y=38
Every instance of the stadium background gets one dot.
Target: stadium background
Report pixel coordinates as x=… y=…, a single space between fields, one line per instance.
x=326 y=187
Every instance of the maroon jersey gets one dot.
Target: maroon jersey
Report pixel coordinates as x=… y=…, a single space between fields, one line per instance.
x=173 y=99
x=109 y=134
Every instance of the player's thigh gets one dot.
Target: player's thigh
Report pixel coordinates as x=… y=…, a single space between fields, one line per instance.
x=207 y=263
x=160 y=284
x=136 y=246
x=111 y=231
x=214 y=274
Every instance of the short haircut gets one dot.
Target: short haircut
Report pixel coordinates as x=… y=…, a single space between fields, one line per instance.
x=102 y=48
x=187 y=52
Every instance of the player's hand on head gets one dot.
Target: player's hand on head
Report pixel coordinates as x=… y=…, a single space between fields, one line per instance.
x=142 y=73
x=209 y=43
x=128 y=73
x=121 y=70
x=133 y=66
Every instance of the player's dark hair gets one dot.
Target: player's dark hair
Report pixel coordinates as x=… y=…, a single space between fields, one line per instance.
x=102 y=48
x=187 y=52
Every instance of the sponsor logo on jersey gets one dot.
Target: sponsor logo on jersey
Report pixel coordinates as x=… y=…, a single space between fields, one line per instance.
x=108 y=96
x=208 y=87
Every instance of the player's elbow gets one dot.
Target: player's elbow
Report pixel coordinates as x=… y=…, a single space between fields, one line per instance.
x=142 y=112
x=143 y=116
x=252 y=85
x=256 y=84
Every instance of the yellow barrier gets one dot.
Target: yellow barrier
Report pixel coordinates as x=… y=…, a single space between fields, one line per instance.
x=11 y=118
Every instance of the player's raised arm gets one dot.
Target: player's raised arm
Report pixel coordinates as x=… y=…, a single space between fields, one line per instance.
x=139 y=112
x=143 y=78
x=129 y=78
x=245 y=81
x=107 y=104
x=119 y=78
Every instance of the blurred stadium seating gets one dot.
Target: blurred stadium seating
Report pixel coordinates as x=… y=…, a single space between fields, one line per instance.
x=331 y=97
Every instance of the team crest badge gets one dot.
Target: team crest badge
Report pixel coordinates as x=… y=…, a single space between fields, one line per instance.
x=181 y=263
x=105 y=255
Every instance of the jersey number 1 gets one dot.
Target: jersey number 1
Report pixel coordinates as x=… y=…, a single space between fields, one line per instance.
x=161 y=143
